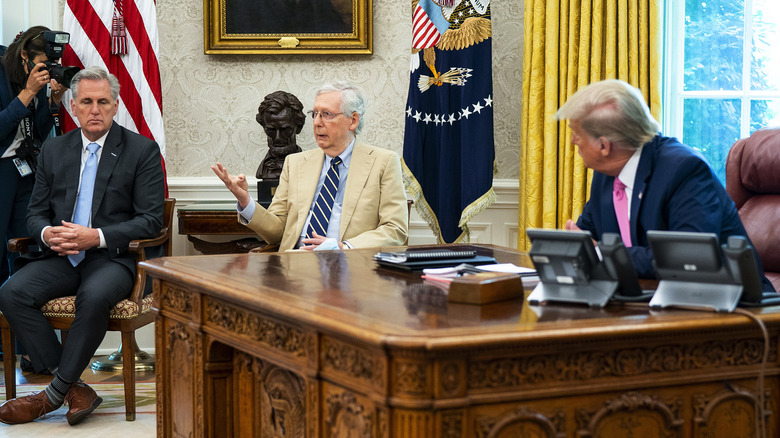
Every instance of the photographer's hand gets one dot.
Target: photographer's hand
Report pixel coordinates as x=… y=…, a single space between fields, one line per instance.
x=56 y=91
x=35 y=81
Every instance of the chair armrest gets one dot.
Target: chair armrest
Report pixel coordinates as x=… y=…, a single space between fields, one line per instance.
x=22 y=245
x=136 y=246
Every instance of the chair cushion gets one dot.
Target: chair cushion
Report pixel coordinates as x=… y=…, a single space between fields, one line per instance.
x=125 y=309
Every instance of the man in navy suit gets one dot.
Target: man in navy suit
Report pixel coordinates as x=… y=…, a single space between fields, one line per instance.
x=89 y=260
x=667 y=185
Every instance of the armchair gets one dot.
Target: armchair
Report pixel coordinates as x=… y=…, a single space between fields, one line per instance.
x=753 y=182
x=127 y=316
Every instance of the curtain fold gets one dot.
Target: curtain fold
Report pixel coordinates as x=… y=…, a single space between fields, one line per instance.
x=569 y=44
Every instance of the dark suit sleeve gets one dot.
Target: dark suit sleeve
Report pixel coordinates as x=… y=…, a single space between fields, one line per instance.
x=39 y=210
x=143 y=193
x=586 y=221
x=13 y=111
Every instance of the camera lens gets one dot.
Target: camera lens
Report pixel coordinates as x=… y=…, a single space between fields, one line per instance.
x=62 y=74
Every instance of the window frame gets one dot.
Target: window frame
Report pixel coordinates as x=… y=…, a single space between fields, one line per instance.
x=672 y=71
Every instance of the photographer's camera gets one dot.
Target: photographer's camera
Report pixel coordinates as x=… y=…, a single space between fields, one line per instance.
x=55 y=42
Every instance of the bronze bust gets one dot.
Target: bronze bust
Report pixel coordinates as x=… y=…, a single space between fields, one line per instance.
x=282 y=118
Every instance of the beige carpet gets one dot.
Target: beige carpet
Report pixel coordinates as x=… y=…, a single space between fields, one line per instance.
x=107 y=420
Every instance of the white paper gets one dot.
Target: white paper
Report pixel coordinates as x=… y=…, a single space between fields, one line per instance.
x=507 y=267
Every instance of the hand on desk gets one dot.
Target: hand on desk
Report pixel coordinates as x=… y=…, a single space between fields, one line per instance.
x=312 y=243
x=236 y=184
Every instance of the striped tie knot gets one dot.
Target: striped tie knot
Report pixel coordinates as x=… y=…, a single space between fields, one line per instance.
x=322 y=208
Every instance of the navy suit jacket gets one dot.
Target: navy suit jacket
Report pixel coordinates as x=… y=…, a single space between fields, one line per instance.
x=129 y=196
x=13 y=111
x=675 y=190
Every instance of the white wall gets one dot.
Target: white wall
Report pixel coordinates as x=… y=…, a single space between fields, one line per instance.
x=18 y=15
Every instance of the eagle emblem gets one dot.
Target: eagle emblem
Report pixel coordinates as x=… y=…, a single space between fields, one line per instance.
x=446 y=25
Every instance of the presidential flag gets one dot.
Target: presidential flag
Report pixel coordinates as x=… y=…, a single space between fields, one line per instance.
x=448 y=141
x=120 y=36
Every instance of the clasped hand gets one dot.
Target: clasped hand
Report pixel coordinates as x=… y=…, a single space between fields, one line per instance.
x=71 y=238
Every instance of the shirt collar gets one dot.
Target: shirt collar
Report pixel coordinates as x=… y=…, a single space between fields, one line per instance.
x=628 y=172
x=346 y=156
x=85 y=142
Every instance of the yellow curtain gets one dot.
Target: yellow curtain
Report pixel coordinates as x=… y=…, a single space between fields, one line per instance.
x=569 y=44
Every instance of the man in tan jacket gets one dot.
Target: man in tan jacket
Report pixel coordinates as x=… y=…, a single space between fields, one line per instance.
x=342 y=195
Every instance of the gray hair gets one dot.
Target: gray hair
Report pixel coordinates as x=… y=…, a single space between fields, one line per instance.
x=612 y=109
x=95 y=73
x=353 y=99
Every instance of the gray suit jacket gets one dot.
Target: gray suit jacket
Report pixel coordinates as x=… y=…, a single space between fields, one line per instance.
x=129 y=193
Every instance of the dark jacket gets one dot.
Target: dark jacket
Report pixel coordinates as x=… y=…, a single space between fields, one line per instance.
x=675 y=190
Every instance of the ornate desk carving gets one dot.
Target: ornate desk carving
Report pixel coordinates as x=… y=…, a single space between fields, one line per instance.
x=284 y=345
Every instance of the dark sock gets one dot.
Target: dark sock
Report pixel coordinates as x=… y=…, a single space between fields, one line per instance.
x=56 y=390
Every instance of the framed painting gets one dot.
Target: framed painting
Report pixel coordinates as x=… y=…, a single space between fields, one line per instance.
x=287 y=27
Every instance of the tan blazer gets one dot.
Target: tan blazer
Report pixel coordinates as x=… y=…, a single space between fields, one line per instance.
x=374 y=212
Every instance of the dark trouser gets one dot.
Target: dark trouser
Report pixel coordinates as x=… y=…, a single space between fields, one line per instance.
x=15 y=192
x=98 y=284
x=14 y=197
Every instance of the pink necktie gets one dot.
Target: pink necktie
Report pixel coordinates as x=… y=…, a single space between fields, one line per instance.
x=621 y=210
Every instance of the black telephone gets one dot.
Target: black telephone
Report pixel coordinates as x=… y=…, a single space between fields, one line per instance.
x=572 y=271
x=617 y=266
x=741 y=261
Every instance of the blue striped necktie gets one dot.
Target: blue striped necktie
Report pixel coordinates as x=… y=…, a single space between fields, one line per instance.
x=84 y=203
x=321 y=211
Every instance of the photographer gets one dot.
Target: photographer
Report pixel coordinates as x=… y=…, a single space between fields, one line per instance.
x=26 y=120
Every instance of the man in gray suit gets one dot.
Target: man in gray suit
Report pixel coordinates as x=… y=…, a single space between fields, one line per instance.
x=96 y=189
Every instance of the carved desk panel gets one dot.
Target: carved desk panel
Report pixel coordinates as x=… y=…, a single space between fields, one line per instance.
x=326 y=344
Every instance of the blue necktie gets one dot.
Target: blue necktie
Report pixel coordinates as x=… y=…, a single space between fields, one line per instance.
x=321 y=212
x=84 y=203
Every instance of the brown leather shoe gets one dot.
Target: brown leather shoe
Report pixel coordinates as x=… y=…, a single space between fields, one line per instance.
x=25 y=409
x=82 y=401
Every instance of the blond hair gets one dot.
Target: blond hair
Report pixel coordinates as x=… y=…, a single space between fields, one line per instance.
x=612 y=109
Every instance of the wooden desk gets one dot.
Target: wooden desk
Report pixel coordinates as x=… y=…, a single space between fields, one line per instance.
x=327 y=345
x=215 y=219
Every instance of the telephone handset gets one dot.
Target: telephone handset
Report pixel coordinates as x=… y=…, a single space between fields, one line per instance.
x=741 y=261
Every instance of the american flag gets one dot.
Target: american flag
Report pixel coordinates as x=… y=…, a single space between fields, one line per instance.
x=100 y=31
x=428 y=25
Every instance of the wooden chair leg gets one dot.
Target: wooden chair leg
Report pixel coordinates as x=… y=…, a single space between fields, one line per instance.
x=9 y=358
x=128 y=372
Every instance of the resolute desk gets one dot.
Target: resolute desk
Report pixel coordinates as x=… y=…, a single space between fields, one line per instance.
x=328 y=345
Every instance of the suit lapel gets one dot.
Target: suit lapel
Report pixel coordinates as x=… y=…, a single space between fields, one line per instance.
x=359 y=169
x=643 y=172
x=108 y=158
x=72 y=165
x=308 y=174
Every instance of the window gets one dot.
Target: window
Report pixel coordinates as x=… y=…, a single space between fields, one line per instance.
x=721 y=74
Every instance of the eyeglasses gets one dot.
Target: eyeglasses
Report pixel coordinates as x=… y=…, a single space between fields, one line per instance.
x=326 y=115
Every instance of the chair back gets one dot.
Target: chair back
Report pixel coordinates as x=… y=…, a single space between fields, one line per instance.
x=753 y=182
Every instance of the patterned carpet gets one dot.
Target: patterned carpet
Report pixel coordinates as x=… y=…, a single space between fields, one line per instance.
x=107 y=420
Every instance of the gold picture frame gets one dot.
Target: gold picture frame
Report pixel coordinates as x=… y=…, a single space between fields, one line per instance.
x=269 y=27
